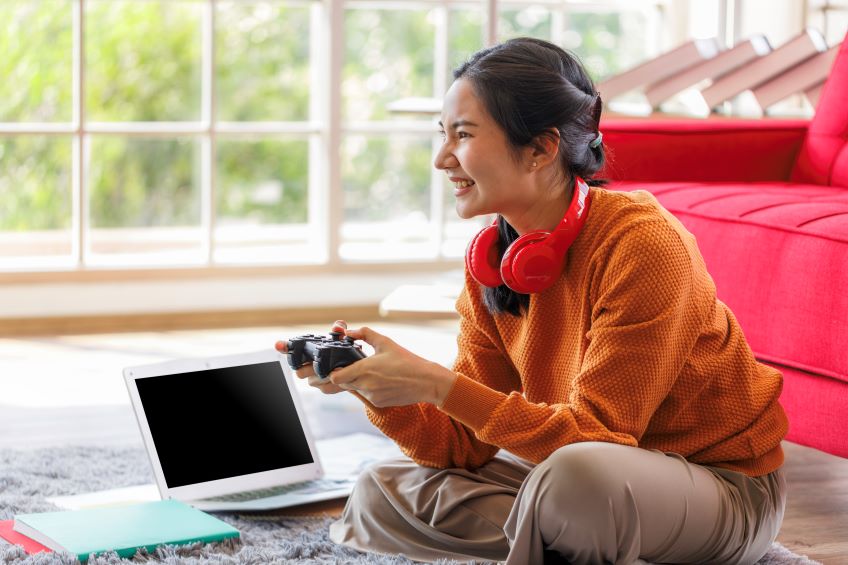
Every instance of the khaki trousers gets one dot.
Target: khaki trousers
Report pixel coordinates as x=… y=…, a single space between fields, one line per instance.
x=587 y=503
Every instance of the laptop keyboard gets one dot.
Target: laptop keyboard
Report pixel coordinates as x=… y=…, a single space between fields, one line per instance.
x=306 y=487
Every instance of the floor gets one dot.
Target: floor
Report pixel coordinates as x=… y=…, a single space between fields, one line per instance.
x=64 y=390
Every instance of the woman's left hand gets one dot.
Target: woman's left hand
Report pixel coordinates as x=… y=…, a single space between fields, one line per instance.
x=393 y=376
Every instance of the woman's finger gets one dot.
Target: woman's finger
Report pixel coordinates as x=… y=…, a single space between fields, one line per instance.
x=324 y=385
x=369 y=336
x=281 y=346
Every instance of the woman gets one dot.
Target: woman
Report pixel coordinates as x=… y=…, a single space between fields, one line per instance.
x=604 y=406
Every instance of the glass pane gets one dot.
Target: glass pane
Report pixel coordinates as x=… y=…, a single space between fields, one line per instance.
x=144 y=200
x=608 y=42
x=386 y=198
x=465 y=39
x=262 y=202
x=836 y=23
x=262 y=59
x=36 y=70
x=35 y=191
x=388 y=55
x=528 y=21
x=143 y=60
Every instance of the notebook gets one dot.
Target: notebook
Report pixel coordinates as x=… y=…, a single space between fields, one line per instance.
x=8 y=535
x=229 y=433
x=124 y=530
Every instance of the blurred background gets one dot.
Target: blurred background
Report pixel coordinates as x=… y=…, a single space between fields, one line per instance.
x=197 y=162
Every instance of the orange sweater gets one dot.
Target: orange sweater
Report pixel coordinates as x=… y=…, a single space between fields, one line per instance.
x=630 y=346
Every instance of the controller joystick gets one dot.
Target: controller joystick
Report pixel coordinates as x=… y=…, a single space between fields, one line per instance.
x=326 y=353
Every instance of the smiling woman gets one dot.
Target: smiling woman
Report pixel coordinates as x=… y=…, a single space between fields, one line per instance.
x=593 y=358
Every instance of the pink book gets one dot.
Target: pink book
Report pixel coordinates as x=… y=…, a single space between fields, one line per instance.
x=813 y=94
x=9 y=534
x=659 y=68
x=764 y=68
x=799 y=78
x=724 y=62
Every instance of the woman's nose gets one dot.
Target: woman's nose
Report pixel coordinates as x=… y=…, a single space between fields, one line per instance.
x=445 y=159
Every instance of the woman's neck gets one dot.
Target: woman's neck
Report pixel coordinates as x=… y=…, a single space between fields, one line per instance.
x=545 y=213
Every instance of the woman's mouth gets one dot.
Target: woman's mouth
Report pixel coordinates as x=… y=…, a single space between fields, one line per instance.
x=462 y=186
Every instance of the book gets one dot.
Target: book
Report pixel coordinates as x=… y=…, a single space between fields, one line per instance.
x=814 y=93
x=9 y=535
x=659 y=68
x=709 y=69
x=761 y=69
x=799 y=78
x=123 y=529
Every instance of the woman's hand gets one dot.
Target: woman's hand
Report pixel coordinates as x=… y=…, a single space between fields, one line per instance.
x=393 y=376
x=307 y=372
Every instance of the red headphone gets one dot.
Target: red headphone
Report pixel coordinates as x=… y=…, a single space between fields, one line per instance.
x=534 y=261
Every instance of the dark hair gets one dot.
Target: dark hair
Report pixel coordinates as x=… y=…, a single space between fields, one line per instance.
x=531 y=87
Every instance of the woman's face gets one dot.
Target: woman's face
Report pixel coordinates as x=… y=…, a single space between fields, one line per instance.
x=476 y=157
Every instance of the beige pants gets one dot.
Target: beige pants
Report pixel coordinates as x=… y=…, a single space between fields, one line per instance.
x=587 y=503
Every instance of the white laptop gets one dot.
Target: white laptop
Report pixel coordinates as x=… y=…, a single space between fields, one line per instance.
x=229 y=433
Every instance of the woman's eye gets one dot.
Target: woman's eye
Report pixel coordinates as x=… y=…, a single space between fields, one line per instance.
x=462 y=134
x=442 y=133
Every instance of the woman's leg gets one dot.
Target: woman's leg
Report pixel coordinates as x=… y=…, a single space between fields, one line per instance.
x=606 y=503
x=399 y=507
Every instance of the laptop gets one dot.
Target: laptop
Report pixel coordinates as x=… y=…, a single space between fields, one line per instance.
x=228 y=433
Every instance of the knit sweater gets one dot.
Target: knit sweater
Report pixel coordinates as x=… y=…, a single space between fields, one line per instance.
x=629 y=346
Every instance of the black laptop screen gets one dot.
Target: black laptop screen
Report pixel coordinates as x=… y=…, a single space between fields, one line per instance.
x=222 y=423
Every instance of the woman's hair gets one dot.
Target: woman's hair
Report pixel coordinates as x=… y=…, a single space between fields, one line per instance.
x=531 y=88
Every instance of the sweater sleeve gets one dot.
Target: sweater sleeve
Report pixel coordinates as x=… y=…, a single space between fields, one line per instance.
x=644 y=324
x=431 y=437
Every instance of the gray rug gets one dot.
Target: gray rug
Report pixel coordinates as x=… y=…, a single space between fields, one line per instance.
x=27 y=477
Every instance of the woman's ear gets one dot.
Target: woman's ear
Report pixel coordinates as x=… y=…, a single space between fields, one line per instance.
x=544 y=149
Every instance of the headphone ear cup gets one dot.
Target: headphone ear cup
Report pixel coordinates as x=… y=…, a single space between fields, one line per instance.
x=481 y=257
x=529 y=267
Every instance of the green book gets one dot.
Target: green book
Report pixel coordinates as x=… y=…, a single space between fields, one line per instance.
x=123 y=529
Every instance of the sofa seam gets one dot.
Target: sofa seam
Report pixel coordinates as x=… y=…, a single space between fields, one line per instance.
x=758 y=224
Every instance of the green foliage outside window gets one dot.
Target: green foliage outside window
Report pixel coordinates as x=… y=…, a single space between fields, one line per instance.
x=35 y=67
x=262 y=62
x=144 y=182
x=144 y=62
x=262 y=182
x=388 y=55
x=35 y=183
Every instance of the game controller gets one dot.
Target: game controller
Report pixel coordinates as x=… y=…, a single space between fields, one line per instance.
x=325 y=353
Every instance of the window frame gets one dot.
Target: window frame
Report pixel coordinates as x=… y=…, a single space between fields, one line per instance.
x=325 y=131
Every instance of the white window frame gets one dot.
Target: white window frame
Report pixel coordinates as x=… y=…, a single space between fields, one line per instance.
x=325 y=130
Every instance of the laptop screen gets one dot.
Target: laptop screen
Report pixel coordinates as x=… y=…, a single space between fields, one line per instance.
x=221 y=423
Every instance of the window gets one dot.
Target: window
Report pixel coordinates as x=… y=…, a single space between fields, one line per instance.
x=145 y=133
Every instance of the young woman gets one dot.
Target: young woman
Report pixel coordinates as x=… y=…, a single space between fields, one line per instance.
x=604 y=406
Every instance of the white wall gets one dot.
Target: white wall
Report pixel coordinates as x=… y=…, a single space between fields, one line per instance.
x=243 y=293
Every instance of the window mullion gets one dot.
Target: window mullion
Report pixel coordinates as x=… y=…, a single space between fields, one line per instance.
x=490 y=31
x=440 y=68
x=78 y=204
x=333 y=30
x=208 y=146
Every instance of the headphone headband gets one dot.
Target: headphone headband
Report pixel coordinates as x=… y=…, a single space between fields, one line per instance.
x=569 y=227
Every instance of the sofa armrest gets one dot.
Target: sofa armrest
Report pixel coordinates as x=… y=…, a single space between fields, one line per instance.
x=658 y=150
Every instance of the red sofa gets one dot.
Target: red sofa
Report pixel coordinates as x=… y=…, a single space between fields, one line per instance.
x=767 y=201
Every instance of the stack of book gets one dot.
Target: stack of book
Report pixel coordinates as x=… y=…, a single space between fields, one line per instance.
x=123 y=529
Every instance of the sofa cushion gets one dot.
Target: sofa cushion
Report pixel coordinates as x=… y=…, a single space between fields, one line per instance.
x=824 y=154
x=778 y=253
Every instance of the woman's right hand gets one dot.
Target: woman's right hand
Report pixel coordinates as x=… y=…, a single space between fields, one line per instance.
x=307 y=372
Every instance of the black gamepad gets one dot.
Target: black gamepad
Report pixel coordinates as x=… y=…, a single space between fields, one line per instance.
x=325 y=353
